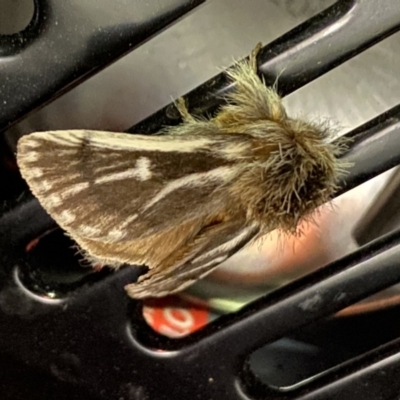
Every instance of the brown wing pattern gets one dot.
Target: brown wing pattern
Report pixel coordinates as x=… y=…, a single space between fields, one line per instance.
x=99 y=188
x=153 y=200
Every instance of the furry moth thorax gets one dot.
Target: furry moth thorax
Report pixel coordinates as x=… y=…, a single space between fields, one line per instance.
x=293 y=170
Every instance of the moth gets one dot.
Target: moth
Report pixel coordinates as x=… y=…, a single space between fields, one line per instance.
x=184 y=201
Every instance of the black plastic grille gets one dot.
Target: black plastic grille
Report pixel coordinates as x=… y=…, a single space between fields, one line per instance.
x=96 y=338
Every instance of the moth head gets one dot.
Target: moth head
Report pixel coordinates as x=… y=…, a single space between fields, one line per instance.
x=297 y=171
x=302 y=173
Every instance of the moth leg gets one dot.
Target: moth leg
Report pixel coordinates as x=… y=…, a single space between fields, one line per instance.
x=183 y=111
x=190 y=125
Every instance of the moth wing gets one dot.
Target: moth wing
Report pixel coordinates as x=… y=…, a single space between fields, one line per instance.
x=112 y=187
x=196 y=260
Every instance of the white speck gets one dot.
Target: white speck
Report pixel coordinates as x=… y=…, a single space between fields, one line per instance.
x=32 y=156
x=120 y=228
x=74 y=189
x=31 y=143
x=54 y=200
x=89 y=231
x=36 y=172
x=311 y=303
x=141 y=172
x=116 y=234
x=67 y=216
x=143 y=169
x=46 y=186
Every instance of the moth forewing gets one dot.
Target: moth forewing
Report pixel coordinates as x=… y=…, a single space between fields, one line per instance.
x=218 y=247
x=183 y=202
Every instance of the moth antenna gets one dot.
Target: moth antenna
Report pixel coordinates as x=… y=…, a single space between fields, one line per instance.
x=253 y=57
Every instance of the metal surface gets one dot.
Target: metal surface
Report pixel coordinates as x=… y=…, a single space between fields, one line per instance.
x=95 y=337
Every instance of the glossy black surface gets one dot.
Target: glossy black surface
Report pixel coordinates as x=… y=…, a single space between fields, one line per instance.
x=61 y=46
x=303 y=54
x=94 y=337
